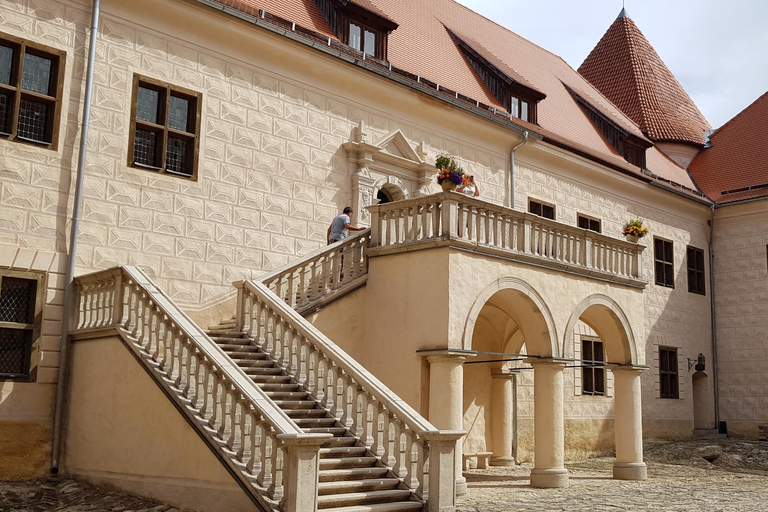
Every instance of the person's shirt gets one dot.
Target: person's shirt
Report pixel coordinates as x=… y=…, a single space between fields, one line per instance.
x=469 y=190
x=338 y=227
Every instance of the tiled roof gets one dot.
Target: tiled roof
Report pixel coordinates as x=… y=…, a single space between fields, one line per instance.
x=302 y=12
x=423 y=47
x=735 y=167
x=628 y=71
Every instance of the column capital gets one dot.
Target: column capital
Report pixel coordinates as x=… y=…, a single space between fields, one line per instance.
x=546 y=361
x=630 y=368
x=505 y=374
x=446 y=355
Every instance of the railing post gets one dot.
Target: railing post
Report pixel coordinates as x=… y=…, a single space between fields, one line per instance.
x=240 y=311
x=117 y=304
x=588 y=251
x=301 y=471
x=375 y=226
x=527 y=243
x=441 y=495
x=449 y=223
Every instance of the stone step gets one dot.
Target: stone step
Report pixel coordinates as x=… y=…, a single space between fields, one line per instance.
x=228 y=333
x=334 y=475
x=252 y=363
x=271 y=379
x=398 y=506
x=343 y=451
x=340 y=441
x=287 y=395
x=294 y=404
x=231 y=341
x=244 y=355
x=336 y=431
x=362 y=498
x=281 y=387
x=240 y=348
x=262 y=370
x=306 y=413
x=344 y=486
x=348 y=462
x=305 y=423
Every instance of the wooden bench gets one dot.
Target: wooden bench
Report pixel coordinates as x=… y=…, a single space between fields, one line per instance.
x=482 y=458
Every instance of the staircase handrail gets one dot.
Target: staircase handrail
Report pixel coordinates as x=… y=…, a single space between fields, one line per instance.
x=126 y=299
x=323 y=368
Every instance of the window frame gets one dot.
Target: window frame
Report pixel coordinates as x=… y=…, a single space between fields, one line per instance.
x=365 y=27
x=667 y=266
x=166 y=91
x=17 y=93
x=670 y=374
x=541 y=205
x=34 y=327
x=593 y=369
x=589 y=220
x=696 y=276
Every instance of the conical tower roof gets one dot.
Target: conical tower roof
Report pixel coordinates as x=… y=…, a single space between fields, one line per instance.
x=626 y=69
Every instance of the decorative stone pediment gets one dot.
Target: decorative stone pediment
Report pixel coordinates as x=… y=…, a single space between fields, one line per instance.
x=391 y=162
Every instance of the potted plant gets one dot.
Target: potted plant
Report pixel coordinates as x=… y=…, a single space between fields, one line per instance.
x=634 y=230
x=449 y=175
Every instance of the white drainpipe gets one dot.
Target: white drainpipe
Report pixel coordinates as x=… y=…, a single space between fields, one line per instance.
x=512 y=170
x=64 y=344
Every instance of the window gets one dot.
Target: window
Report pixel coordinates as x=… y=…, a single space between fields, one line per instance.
x=664 y=259
x=363 y=38
x=588 y=223
x=30 y=92
x=592 y=371
x=696 y=270
x=668 y=373
x=165 y=128
x=18 y=325
x=542 y=210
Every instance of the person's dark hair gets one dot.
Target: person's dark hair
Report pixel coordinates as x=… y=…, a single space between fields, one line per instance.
x=348 y=209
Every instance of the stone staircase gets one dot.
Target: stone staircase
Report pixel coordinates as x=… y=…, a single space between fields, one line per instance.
x=351 y=477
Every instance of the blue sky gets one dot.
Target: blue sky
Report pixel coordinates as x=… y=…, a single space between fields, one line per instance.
x=717 y=50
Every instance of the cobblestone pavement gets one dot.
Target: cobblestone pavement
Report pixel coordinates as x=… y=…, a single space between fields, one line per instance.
x=702 y=476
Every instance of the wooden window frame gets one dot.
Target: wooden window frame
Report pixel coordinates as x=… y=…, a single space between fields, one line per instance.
x=34 y=327
x=592 y=372
x=590 y=221
x=533 y=203
x=16 y=93
x=166 y=91
x=666 y=277
x=696 y=276
x=670 y=375
x=380 y=50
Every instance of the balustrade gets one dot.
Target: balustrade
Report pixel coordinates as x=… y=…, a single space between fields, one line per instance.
x=485 y=226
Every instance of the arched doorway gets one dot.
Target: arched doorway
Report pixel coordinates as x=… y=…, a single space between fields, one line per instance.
x=613 y=348
x=703 y=408
x=510 y=323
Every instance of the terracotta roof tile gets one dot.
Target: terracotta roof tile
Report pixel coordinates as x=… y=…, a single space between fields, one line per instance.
x=628 y=71
x=422 y=46
x=302 y=12
x=735 y=167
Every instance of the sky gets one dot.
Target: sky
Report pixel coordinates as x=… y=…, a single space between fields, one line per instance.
x=717 y=50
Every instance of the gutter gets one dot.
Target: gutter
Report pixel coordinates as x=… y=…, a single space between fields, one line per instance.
x=680 y=193
x=716 y=387
x=64 y=343
x=512 y=177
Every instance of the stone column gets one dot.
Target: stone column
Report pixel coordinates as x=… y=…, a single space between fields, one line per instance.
x=446 y=401
x=549 y=427
x=629 y=463
x=502 y=402
x=301 y=471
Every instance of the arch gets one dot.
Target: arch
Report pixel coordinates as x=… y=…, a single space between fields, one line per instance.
x=517 y=295
x=393 y=187
x=607 y=319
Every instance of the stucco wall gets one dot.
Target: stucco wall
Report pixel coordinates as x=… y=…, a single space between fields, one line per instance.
x=123 y=430
x=741 y=282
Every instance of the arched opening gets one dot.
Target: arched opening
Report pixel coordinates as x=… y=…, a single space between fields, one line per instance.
x=703 y=408
x=389 y=192
x=383 y=196
x=508 y=318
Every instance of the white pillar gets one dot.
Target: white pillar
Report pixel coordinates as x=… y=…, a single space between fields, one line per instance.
x=629 y=463
x=501 y=418
x=549 y=427
x=446 y=402
x=301 y=470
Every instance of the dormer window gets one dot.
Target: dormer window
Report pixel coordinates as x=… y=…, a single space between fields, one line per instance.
x=359 y=28
x=512 y=91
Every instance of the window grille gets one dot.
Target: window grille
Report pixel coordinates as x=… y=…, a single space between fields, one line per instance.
x=17 y=317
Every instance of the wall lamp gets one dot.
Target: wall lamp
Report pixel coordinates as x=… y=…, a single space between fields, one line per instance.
x=699 y=362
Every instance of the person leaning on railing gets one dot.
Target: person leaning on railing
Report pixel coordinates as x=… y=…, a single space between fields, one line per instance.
x=469 y=188
x=340 y=226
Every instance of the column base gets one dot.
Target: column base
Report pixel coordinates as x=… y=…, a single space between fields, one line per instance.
x=549 y=478
x=503 y=461
x=461 y=485
x=630 y=471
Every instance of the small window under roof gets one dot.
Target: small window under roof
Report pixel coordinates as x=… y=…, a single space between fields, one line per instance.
x=357 y=26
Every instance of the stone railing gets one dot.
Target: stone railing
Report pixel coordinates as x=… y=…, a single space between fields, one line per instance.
x=263 y=447
x=416 y=452
x=318 y=276
x=471 y=223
